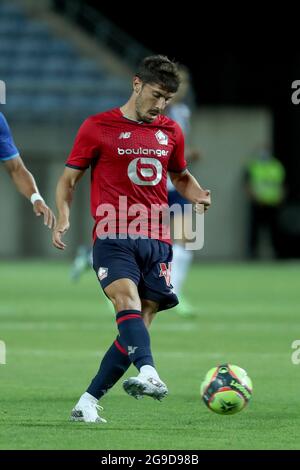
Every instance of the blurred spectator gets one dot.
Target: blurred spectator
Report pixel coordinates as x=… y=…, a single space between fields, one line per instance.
x=264 y=177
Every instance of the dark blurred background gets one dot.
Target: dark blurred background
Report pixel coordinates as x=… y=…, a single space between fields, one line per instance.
x=65 y=60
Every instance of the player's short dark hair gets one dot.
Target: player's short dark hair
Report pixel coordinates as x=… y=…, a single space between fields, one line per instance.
x=160 y=70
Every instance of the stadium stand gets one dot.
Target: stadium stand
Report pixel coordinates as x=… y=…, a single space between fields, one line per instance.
x=48 y=78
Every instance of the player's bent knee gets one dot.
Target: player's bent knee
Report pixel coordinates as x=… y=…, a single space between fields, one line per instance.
x=123 y=300
x=126 y=302
x=124 y=295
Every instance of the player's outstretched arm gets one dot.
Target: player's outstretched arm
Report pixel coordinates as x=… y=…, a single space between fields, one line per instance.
x=64 y=195
x=190 y=189
x=26 y=185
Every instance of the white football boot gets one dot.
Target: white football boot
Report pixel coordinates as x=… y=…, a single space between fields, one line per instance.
x=142 y=385
x=87 y=412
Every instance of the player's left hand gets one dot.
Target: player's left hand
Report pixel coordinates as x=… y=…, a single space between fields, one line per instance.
x=203 y=202
x=60 y=229
x=39 y=208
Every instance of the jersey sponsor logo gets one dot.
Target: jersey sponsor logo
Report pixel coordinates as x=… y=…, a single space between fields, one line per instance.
x=145 y=171
x=125 y=135
x=165 y=270
x=161 y=138
x=141 y=151
x=102 y=273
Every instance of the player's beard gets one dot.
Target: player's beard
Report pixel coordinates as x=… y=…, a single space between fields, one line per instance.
x=142 y=116
x=145 y=117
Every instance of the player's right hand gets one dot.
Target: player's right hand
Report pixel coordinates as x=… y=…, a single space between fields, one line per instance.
x=59 y=230
x=39 y=208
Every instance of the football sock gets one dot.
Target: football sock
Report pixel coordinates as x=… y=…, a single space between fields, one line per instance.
x=113 y=365
x=149 y=371
x=182 y=259
x=135 y=338
x=88 y=397
x=132 y=346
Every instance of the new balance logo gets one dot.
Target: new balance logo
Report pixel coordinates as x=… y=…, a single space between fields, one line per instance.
x=125 y=135
x=131 y=349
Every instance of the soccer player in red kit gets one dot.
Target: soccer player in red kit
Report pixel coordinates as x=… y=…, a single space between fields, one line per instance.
x=130 y=151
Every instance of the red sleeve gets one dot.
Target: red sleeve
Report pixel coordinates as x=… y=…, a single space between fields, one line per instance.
x=86 y=146
x=177 y=162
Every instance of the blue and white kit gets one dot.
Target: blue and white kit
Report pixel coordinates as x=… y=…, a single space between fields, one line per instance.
x=8 y=150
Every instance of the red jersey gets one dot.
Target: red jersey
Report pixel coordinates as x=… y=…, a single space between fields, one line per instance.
x=129 y=163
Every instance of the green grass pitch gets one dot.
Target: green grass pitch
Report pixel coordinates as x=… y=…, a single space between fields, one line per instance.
x=56 y=332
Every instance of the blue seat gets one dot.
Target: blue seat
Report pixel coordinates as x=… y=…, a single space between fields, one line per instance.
x=5 y=62
x=8 y=47
x=18 y=102
x=36 y=29
x=11 y=26
x=10 y=12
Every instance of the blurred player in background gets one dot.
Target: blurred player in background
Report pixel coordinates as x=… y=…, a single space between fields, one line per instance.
x=265 y=180
x=130 y=150
x=22 y=178
x=180 y=111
